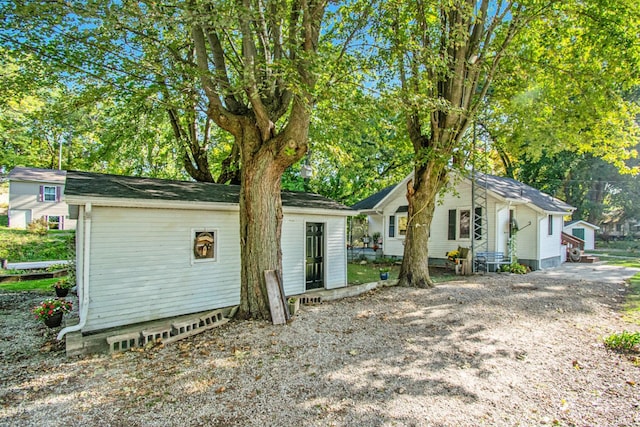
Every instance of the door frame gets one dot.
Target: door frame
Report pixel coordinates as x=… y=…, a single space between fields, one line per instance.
x=324 y=254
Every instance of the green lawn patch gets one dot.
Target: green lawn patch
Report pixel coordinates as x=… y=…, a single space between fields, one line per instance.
x=22 y=246
x=358 y=274
x=632 y=302
x=41 y=285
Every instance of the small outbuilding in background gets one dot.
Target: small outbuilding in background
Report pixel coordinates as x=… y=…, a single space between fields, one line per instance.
x=582 y=230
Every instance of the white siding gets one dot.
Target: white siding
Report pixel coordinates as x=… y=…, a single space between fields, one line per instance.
x=141 y=265
x=23 y=198
x=293 y=256
x=550 y=244
x=336 y=252
x=392 y=246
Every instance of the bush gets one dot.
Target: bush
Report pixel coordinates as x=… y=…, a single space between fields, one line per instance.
x=38 y=226
x=625 y=342
x=514 y=268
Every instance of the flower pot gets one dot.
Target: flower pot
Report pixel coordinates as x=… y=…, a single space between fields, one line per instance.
x=294 y=305
x=61 y=292
x=384 y=276
x=54 y=321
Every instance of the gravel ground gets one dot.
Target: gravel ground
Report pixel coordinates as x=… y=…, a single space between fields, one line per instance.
x=497 y=350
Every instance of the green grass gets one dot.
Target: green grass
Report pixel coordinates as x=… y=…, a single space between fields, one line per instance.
x=40 y=285
x=358 y=274
x=632 y=302
x=631 y=310
x=22 y=246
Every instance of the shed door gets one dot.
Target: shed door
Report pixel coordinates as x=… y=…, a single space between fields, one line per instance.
x=578 y=232
x=315 y=255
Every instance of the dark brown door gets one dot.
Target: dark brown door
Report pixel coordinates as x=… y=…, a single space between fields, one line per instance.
x=315 y=255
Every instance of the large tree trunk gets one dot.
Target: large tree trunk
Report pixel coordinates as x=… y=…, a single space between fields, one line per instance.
x=422 y=194
x=260 y=217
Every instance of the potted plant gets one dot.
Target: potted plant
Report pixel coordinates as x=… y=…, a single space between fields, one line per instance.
x=62 y=287
x=377 y=240
x=294 y=305
x=51 y=310
x=384 y=273
x=453 y=255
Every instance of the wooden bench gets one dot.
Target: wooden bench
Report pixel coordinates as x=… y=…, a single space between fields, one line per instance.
x=484 y=260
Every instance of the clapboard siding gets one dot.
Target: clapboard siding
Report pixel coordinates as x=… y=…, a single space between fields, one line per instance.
x=293 y=256
x=550 y=244
x=335 y=243
x=141 y=265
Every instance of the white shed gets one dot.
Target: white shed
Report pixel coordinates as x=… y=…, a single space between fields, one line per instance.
x=151 y=249
x=583 y=230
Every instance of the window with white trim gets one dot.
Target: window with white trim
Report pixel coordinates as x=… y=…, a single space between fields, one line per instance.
x=459 y=224
x=54 y=222
x=49 y=193
x=465 y=224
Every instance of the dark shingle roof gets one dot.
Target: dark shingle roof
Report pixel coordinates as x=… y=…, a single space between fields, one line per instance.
x=506 y=187
x=93 y=185
x=512 y=189
x=36 y=174
x=371 y=201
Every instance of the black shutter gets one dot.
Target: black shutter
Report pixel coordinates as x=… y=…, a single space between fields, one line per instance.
x=392 y=226
x=452 y=224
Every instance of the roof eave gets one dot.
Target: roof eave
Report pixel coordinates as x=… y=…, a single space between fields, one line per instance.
x=384 y=200
x=147 y=203
x=191 y=205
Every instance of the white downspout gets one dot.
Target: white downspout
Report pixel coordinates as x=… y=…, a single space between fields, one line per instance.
x=84 y=284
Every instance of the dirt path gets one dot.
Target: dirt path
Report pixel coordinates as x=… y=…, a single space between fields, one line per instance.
x=497 y=350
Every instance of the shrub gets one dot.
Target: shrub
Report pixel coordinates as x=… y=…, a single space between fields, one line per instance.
x=625 y=342
x=514 y=268
x=38 y=226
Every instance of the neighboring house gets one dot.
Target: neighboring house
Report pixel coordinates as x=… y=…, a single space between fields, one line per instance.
x=37 y=193
x=151 y=249
x=582 y=230
x=508 y=208
x=616 y=226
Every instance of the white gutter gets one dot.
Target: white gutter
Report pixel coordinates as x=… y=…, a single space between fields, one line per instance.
x=84 y=284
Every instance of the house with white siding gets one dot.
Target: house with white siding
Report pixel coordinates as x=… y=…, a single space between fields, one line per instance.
x=38 y=193
x=150 y=249
x=513 y=218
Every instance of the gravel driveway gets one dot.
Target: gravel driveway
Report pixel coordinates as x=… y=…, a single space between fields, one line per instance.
x=495 y=349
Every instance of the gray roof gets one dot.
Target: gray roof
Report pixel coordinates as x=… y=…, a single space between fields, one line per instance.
x=93 y=185
x=511 y=189
x=36 y=174
x=372 y=201
x=505 y=187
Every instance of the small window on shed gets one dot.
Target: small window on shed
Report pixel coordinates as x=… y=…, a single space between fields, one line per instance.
x=204 y=245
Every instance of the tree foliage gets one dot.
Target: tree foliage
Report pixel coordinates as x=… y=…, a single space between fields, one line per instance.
x=568 y=86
